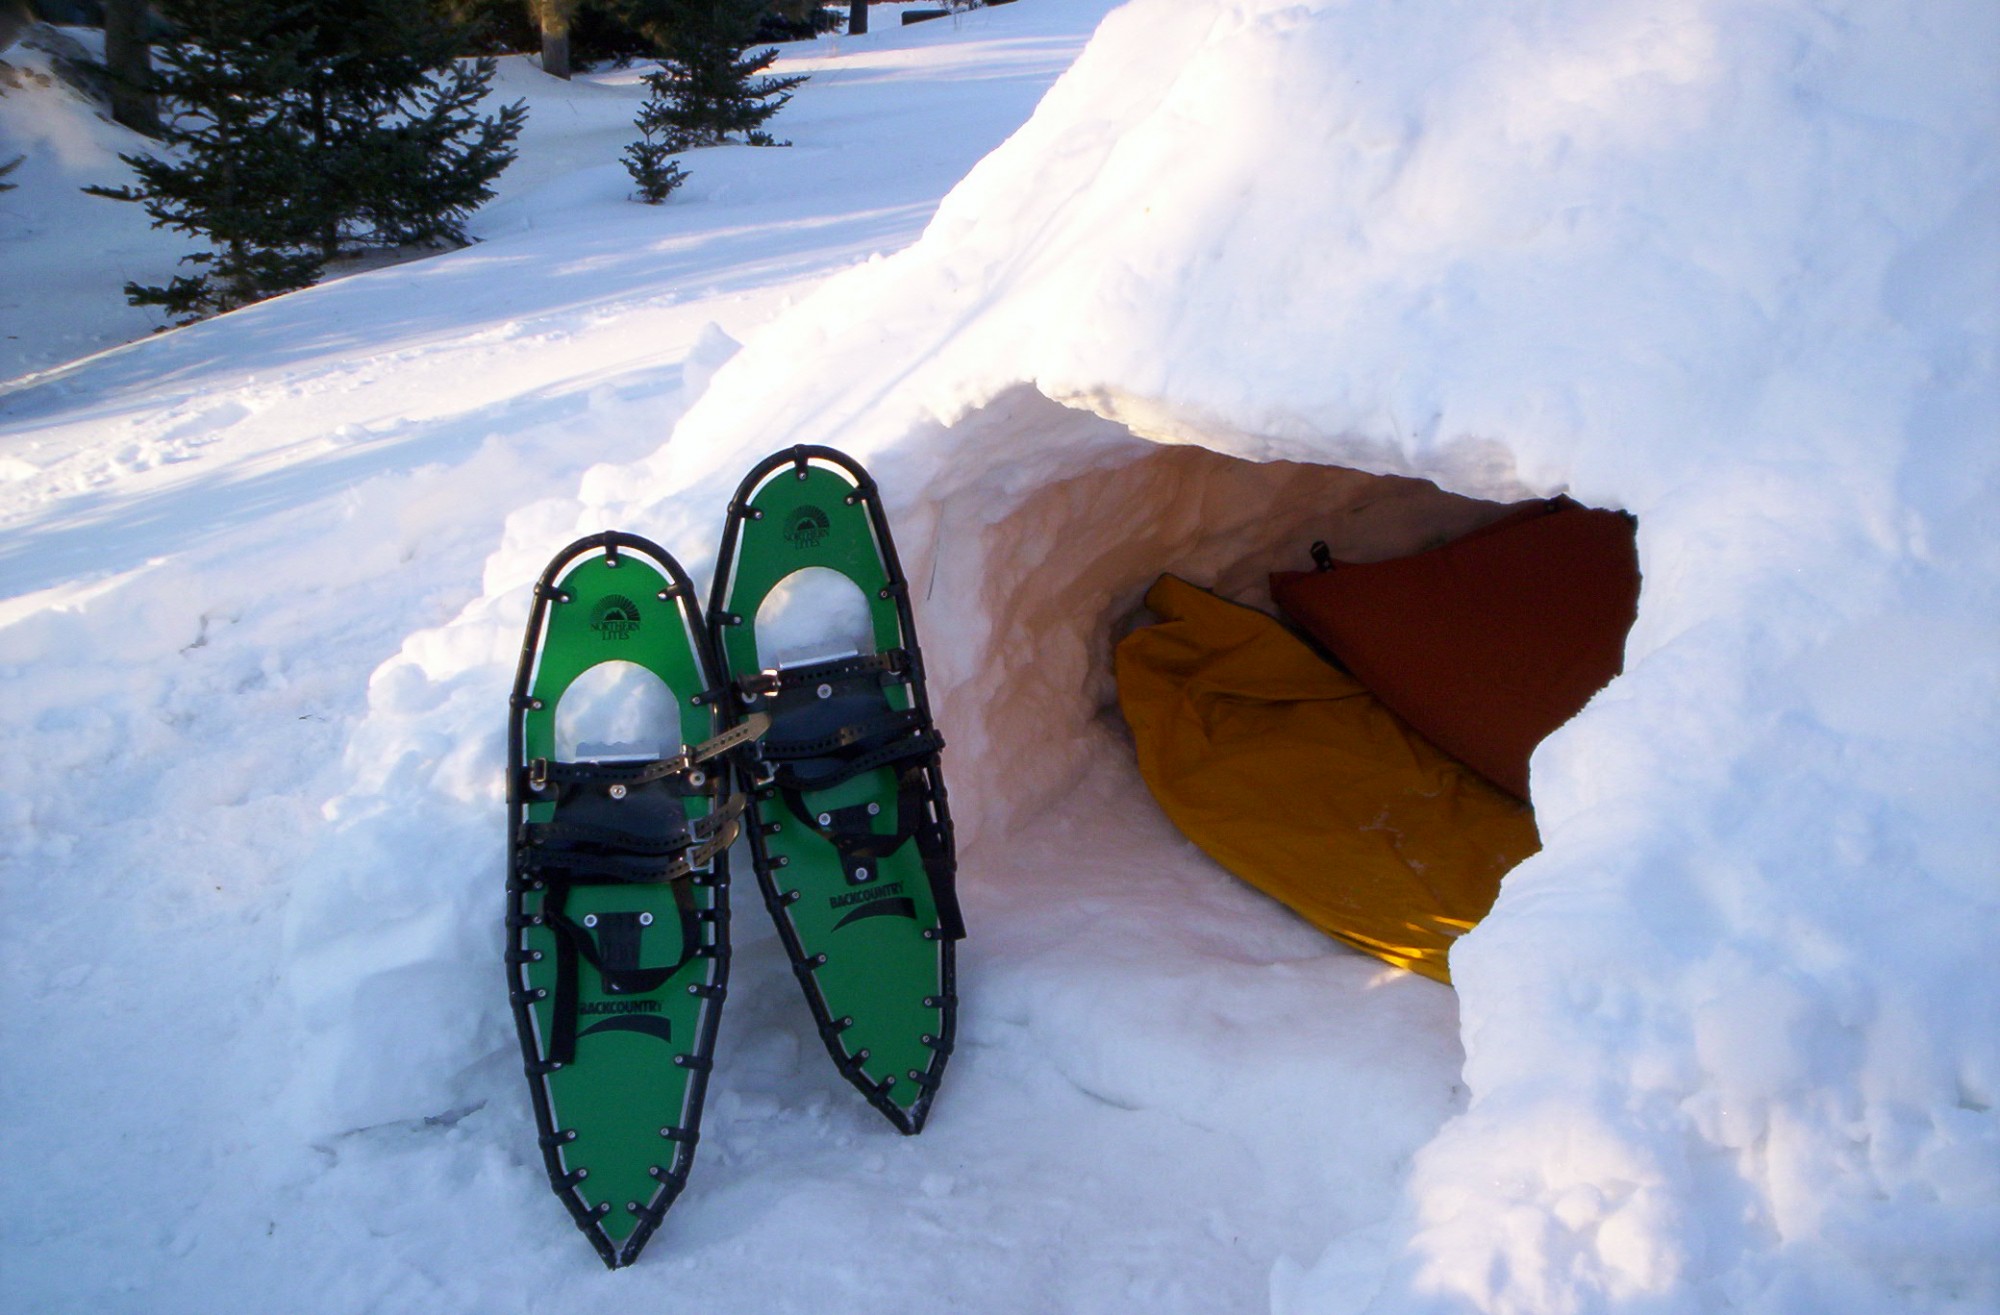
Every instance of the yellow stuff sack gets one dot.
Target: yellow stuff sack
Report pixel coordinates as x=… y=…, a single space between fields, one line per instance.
x=1286 y=771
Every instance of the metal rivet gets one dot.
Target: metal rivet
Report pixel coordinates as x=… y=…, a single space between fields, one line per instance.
x=826 y=819
x=535 y=704
x=632 y=1205
x=825 y=691
x=874 y=810
x=802 y=473
x=861 y=1054
x=582 y=1174
x=663 y=595
x=861 y=874
x=590 y=919
x=645 y=920
x=616 y=792
x=697 y=778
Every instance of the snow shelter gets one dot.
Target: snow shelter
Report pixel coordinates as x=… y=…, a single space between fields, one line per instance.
x=1364 y=759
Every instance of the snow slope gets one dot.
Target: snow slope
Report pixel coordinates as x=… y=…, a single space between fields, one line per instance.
x=1727 y=1043
x=66 y=256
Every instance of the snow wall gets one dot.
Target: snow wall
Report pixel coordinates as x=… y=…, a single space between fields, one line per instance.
x=1727 y=264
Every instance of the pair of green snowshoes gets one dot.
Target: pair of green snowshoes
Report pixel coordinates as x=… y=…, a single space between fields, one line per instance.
x=618 y=879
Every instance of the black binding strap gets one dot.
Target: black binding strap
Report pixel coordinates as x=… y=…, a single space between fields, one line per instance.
x=789 y=776
x=850 y=832
x=612 y=948
x=612 y=942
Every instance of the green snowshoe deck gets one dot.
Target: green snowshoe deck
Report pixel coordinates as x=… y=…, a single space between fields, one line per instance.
x=851 y=834
x=617 y=895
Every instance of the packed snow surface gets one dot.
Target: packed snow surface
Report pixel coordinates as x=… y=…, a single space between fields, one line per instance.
x=1727 y=1043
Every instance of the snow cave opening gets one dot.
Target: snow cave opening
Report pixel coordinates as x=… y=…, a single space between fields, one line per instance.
x=1088 y=516
x=1060 y=572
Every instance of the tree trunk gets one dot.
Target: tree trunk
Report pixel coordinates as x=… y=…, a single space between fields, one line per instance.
x=857 y=16
x=13 y=17
x=128 y=57
x=556 y=16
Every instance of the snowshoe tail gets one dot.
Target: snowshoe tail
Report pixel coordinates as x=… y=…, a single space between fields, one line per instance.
x=849 y=825
x=617 y=887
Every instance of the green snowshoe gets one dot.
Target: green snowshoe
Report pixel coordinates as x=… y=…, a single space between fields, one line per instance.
x=617 y=888
x=850 y=834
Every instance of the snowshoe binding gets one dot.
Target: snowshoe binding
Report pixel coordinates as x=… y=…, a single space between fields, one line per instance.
x=850 y=830
x=617 y=888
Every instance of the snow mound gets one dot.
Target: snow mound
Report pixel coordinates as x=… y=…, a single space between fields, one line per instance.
x=1731 y=266
x=1727 y=264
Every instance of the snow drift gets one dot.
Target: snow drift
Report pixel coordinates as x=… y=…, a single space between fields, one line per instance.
x=1730 y=266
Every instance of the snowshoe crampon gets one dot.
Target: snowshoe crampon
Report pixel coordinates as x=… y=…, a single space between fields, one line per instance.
x=851 y=834
x=618 y=882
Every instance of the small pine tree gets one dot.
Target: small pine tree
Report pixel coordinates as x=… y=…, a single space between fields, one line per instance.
x=649 y=160
x=708 y=80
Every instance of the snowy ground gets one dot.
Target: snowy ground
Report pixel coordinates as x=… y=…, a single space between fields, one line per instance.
x=214 y=536
x=1725 y=1045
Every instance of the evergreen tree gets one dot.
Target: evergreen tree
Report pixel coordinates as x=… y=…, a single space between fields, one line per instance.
x=392 y=119
x=304 y=128
x=239 y=176
x=708 y=80
x=648 y=159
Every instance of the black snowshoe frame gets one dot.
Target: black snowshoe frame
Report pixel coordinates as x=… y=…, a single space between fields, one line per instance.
x=550 y=859
x=832 y=748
